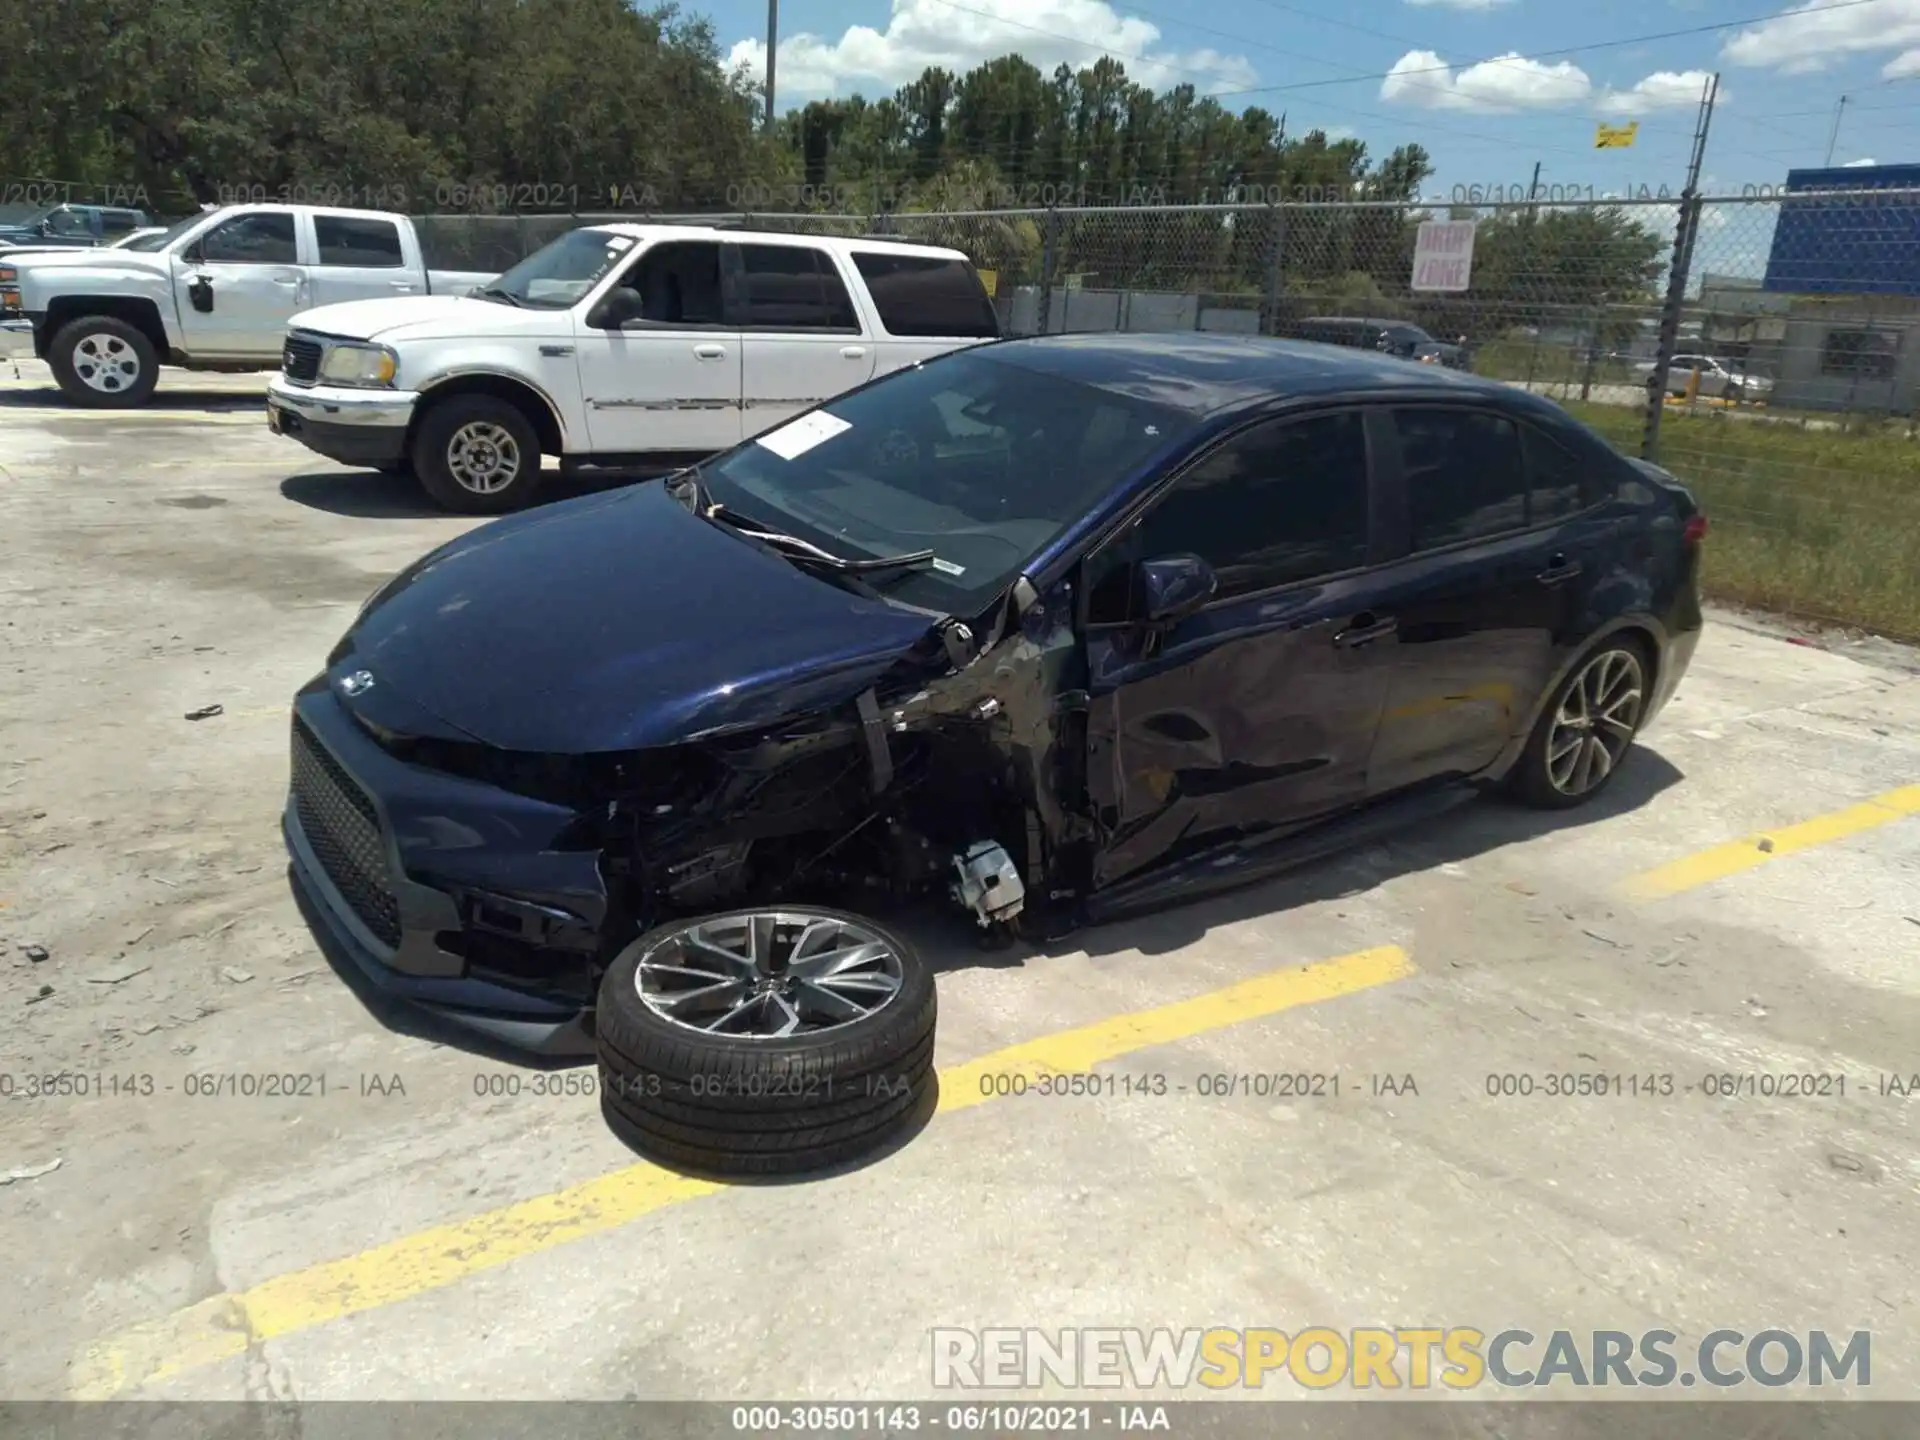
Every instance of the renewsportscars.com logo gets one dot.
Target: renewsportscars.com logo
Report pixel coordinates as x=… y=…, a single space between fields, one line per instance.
x=1396 y=1358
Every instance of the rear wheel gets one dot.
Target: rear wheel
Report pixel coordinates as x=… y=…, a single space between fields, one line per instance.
x=103 y=363
x=1584 y=734
x=477 y=455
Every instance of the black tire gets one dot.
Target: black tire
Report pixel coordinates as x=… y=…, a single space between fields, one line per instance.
x=101 y=346
x=1539 y=778
x=465 y=416
x=745 y=1105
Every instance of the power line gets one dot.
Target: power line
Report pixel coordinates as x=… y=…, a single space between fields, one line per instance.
x=1541 y=54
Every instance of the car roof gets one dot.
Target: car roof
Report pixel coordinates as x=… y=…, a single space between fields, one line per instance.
x=1204 y=374
x=841 y=243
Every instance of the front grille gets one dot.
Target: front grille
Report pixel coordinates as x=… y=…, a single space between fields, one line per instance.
x=300 y=360
x=344 y=830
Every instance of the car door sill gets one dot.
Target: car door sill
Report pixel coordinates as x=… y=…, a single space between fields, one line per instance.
x=1256 y=858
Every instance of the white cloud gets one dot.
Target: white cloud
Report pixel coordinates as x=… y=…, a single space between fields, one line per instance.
x=1809 y=35
x=1904 y=66
x=1858 y=164
x=920 y=33
x=1662 y=90
x=1511 y=82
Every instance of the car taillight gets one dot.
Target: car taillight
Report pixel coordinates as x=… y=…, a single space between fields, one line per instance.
x=1695 y=531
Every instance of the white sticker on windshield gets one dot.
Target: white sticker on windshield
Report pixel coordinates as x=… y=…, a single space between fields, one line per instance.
x=794 y=440
x=617 y=243
x=947 y=567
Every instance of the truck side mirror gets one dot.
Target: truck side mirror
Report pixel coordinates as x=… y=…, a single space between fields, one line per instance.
x=620 y=305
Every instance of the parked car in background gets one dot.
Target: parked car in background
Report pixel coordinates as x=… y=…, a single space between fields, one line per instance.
x=1718 y=379
x=69 y=227
x=628 y=346
x=1390 y=337
x=1052 y=630
x=212 y=292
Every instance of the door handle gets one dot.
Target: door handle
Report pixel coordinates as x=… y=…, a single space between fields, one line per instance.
x=710 y=352
x=1364 y=630
x=1559 y=570
x=853 y=352
x=289 y=280
x=402 y=284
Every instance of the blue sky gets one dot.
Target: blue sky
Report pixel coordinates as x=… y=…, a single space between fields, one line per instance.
x=1485 y=123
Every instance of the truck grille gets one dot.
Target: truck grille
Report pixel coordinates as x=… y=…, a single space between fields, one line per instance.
x=343 y=828
x=300 y=360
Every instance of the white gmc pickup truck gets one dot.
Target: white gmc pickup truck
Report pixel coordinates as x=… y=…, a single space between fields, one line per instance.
x=215 y=293
x=620 y=346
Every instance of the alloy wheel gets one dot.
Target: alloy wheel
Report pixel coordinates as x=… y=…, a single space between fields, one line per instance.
x=768 y=974
x=1596 y=722
x=483 y=457
x=106 y=363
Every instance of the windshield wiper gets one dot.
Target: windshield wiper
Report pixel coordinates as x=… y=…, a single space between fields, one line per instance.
x=495 y=292
x=794 y=548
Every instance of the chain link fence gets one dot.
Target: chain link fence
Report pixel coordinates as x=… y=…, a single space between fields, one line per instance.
x=1770 y=357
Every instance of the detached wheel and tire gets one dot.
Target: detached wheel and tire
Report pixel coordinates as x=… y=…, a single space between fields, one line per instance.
x=1585 y=732
x=477 y=455
x=103 y=363
x=764 y=1042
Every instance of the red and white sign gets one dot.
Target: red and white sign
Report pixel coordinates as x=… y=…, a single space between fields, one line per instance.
x=1443 y=256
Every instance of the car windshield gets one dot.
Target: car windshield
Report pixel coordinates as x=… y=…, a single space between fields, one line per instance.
x=560 y=273
x=167 y=236
x=141 y=240
x=979 y=459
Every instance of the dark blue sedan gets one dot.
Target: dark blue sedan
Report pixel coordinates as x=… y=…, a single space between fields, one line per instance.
x=1044 y=630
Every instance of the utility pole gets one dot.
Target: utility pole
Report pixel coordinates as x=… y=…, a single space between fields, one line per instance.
x=1834 y=138
x=773 y=44
x=1684 y=231
x=1533 y=190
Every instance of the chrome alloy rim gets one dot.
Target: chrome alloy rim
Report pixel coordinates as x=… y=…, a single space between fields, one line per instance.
x=483 y=457
x=106 y=363
x=1596 y=722
x=768 y=974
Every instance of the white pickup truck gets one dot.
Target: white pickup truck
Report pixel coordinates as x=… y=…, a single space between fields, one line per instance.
x=624 y=346
x=215 y=293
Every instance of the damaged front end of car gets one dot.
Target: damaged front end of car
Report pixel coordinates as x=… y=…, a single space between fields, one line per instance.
x=497 y=885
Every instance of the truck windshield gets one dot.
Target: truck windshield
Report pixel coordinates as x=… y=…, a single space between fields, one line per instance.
x=980 y=460
x=557 y=275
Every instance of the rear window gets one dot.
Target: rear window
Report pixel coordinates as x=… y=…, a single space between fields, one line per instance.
x=354 y=240
x=927 y=295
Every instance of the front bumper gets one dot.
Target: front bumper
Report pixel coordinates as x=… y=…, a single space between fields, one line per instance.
x=16 y=340
x=354 y=427
x=417 y=904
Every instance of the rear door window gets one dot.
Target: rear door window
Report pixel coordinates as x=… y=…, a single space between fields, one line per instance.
x=793 y=287
x=357 y=241
x=1465 y=477
x=927 y=295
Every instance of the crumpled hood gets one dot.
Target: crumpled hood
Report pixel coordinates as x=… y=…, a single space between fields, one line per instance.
x=422 y=317
x=614 y=622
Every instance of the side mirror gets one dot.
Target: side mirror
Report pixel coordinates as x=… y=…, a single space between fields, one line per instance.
x=621 y=305
x=1172 y=588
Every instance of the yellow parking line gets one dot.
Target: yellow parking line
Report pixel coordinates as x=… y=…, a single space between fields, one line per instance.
x=224 y=1326
x=1753 y=851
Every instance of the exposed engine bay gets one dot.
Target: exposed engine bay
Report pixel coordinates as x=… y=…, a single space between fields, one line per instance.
x=941 y=783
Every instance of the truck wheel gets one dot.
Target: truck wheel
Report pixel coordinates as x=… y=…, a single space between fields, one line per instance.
x=764 y=1042
x=477 y=455
x=103 y=363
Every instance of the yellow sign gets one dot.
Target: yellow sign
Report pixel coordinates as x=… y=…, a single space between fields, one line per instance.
x=990 y=279
x=1615 y=137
